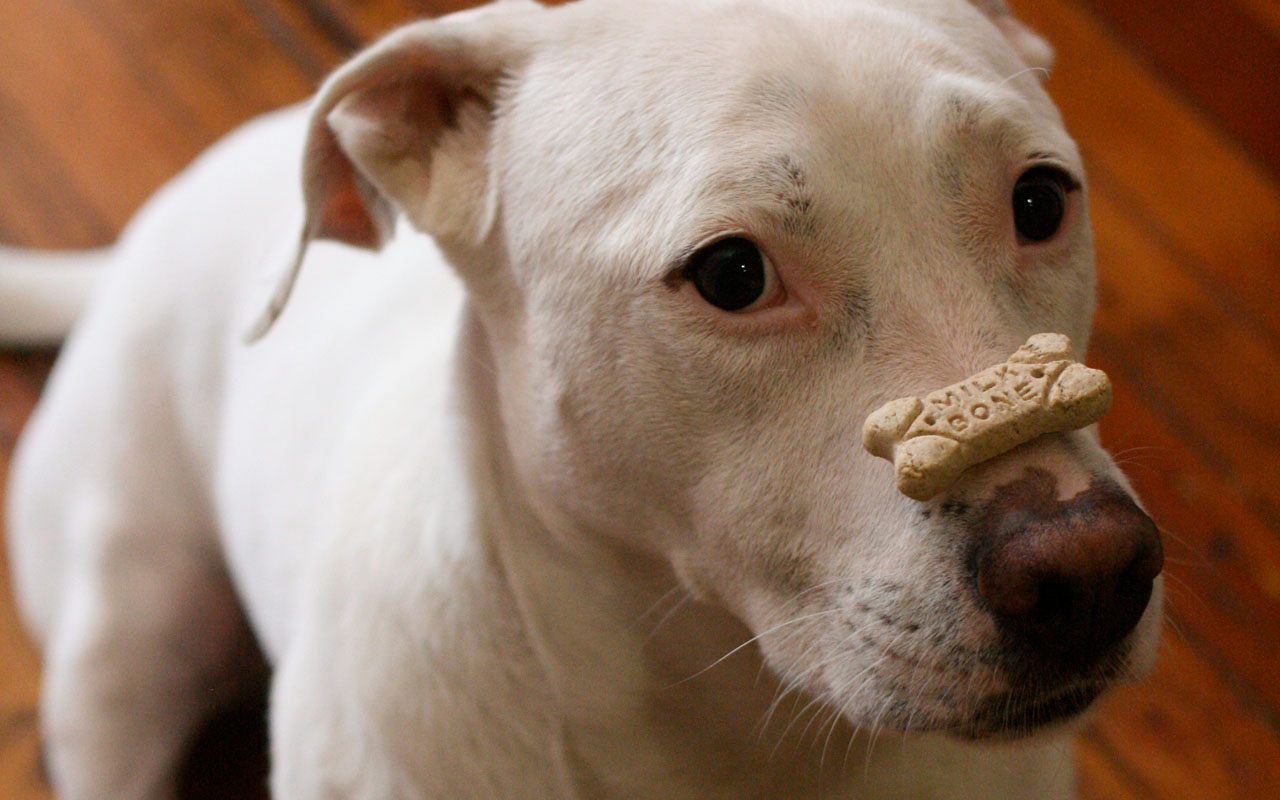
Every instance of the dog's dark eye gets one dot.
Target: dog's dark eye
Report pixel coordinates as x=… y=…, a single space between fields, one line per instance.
x=1040 y=203
x=731 y=274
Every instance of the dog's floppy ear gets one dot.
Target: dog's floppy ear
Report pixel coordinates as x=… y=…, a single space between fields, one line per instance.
x=1035 y=52
x=404 y=128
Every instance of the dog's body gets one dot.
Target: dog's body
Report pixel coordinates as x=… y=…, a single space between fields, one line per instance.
x=509 y=540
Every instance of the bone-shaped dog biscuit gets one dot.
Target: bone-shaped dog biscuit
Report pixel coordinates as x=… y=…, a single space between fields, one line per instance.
x=1040 y=389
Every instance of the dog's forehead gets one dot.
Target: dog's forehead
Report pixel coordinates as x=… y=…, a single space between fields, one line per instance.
x=624 y=77
x=719 y=36
x=646 y=111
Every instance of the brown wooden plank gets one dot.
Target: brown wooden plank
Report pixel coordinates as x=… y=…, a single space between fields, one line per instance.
x=1263 y=12
x=43 y=204
x=1183 y=735
x=212 y=58
x=1198 y=364
x=1102 y=773
x=180 y=74
x=369 y=20
x=296 y=35
x=19 y=674
x=330 y=20
x=1217 y=55
x=92 y=135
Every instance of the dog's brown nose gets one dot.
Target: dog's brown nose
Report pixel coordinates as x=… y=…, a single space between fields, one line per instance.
x=1071 y=578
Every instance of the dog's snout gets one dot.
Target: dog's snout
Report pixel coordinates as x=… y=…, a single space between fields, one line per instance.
x=1069 y=577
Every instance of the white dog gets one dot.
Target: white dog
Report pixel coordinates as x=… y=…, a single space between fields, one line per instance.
x=584 y=513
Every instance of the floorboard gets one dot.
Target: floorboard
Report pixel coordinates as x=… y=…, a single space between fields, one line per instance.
x=1217 y=55
x=102 y=100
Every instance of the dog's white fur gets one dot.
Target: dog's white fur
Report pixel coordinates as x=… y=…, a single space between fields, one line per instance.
x=505 y=534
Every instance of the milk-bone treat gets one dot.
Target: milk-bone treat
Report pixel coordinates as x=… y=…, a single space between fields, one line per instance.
x=1039 y=390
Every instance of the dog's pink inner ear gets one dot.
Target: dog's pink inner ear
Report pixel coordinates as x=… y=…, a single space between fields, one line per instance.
x=372 y=152
x=404 y=127
x=343 y=215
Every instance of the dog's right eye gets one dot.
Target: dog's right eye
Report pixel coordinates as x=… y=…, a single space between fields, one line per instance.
x=1040 y=203
x=732 y=274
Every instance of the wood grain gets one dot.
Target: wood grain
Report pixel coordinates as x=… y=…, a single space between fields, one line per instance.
x=101 y=100
x=1215 y=54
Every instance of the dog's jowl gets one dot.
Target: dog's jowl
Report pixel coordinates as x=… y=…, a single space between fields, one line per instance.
x=511 y=397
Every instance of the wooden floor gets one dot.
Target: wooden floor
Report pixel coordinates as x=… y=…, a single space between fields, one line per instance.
x=1176 y=107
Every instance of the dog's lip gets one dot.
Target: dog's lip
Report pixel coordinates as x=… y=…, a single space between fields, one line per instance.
x=1003 y=718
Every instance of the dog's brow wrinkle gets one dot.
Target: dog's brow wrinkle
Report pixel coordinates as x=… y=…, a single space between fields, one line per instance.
x=859 y=309
x=774 y=93
x=986 y=118
x=795 y=198
x=792 y=172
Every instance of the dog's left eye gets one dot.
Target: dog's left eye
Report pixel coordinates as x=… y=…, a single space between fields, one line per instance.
x=1040 y=203
x=732 y=274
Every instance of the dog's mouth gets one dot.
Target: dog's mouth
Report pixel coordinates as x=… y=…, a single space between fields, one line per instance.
x=1040 y=695
x=1017 y=714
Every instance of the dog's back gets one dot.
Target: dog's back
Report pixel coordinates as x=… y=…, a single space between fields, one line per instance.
x=170 y=310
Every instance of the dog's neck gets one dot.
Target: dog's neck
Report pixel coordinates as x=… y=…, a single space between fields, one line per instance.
x=626 y=651
x=660 y=694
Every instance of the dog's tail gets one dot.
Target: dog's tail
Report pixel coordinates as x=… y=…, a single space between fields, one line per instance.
x=43 y=293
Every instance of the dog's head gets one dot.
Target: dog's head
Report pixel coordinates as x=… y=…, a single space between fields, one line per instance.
x=706 y=239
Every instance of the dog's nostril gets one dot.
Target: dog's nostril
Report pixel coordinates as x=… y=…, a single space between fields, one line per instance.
x=1074 y=578
x=1055 y=599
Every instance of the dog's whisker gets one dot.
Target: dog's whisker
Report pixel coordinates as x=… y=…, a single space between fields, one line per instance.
x=752 y=640
x=809 y=648
x=875 y=734
x=667 y=595
x=852 y=688
x=922 y=688
x=789 y=685
x=671 y=612
x=1021 y=72
x=837 y=715
x=821 y=713
x=1179 y=585
x=817 y=700
x=839 y=653
x=848 y=749
x=822 y=585
x=795 y=681
x=784 y=691
x=794 y=714
x=790 y=688
x=1140 y=449
x=1186 y=545
x=1173 y=625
